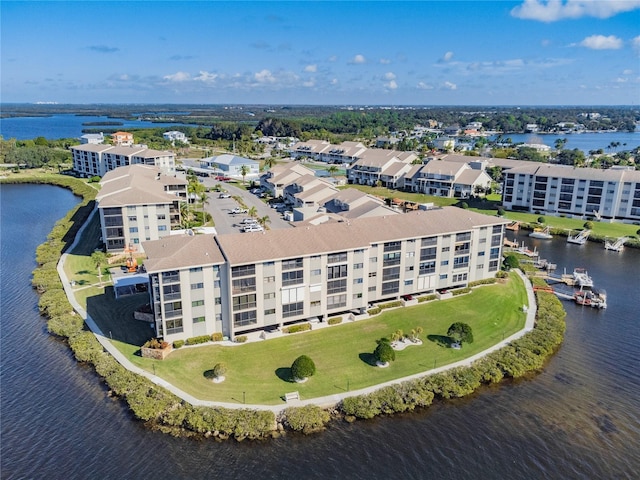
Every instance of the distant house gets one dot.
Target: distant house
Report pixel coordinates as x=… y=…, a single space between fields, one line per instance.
x=174 y=135
x=123 y=139
x=92 y=138
x=386 y=166
x=282 y=175
x=445 y=143
x=231 y=165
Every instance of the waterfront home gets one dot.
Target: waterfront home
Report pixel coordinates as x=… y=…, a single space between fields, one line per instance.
x=123 y=139
x=138 y=203
x=240 y=284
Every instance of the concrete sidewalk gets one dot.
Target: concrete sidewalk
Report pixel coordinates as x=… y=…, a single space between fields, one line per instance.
x=327 y=401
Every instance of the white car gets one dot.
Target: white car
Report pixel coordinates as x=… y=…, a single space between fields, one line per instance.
x=239 y=210
x=253 y=228
x=248 y=221
x=224 y=195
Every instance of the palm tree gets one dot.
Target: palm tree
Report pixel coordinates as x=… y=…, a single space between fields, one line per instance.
x=253 y=212
x=99 y=258
x=263 y=221
x=332 y=170
x=269 y=162
x=186 y=215
x=244 y=170
x=204 y=200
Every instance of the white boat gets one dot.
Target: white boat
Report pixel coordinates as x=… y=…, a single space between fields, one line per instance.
x=580 y=238
x=616 y=246
x=581 y=278
x=541 y=233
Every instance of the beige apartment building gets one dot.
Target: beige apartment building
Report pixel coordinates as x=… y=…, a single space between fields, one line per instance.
x=138 y=203
x=90 y=159
x=238 y=284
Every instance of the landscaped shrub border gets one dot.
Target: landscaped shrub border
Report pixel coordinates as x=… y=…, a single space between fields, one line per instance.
x=166 y=412
x=301 y=327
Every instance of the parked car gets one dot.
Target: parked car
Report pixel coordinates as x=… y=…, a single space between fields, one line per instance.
x=248 y=221
x=224 y=195
x=222 y=178
x=237 y=210
x=253 y=228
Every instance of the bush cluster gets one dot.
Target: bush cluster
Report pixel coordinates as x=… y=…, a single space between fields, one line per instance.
x=427 y=298
x=301 y=327
x=396 y=303
x=374 y=311
x=178 y=344
x=307 y=419
x=522 y=356
x=216 y=337
x=334 y=320
x=486 y=281
x=241 y=339
x=156 y=344
x=198 y=340
x=460 y=291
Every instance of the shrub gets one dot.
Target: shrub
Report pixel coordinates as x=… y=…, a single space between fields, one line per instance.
x=301 y=327
x=374 y=311
x=178 y=343
x=334 y=320
x=460 y=291
x=464 y=205
x=588 y=225
x=384 y=352
x=427 y=298
x=511 y=261
x=307 y=419
x=241 y=339
x=500 y=211
x=486 y=281
x=540 y=220
x=219 y=369
x=198 y=340
x=394 y=304
x=155 y=344
x=501 y=274
x=460 y=332
x=216 y=337
x=303 y=367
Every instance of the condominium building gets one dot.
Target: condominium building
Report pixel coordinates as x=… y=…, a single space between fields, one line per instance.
x=242 y=283
x=612 y=194
x=90 y=160
x=138 y=203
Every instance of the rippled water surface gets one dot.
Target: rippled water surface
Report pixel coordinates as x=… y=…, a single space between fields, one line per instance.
x=577 y=419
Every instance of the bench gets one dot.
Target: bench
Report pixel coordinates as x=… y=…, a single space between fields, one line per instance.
x=291 y=396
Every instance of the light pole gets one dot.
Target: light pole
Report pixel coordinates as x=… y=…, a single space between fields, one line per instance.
x=244 y=397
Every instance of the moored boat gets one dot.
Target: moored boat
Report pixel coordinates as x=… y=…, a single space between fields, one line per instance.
x=616 y=246
x=581 y=278
x=541 y=233
x=580 y=238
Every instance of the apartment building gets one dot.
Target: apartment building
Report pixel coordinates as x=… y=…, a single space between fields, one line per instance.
x=243 y=283
x=138 y=203
x=612 y=194
x=90 y=160
x=378 y=165
x=447 y=179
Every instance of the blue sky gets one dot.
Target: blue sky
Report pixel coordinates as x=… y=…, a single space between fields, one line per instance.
x=528 y=52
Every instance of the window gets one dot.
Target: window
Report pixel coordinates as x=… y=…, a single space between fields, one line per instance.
x=409 y=268
x=446 y=249
x=162 y=228
x=358 y=266
x=133 y=229
x=292 y=278
x=444 y=263
x=390 y=287
x=428 y=253
x=373 y=274
x=195 y=269
x=315 y=303
x=162 y=216
x=337 y=271
x=216 y=284
x=174 y=325
x=443 y=276
x=198 y=319
x=197 y=303
x=316 y=272
x=171 y=292
x=495 y=253
x=336 y=301
x=269 y=279
x=196 y=286
x=408 y=282
x=292 y=309
x=217 y=300
x=243 y=270
x=410 y=254
x=269 y=296
x=357 y=281
x=243 y=302
x=241 y=319
x=291 y=264
x=337 y=257
x=133 y=219
x=427 y=267
x=270 y=311
x=391 y=259
x=372 y=289
x=243 y=285
x=268 y=264
x=391 y=273
x=392 y=246
x=461 y=262
x=335 y=286
x=461 y=277
x=429 y=242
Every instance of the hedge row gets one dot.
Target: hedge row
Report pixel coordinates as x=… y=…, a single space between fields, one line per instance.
x=334 y=320
x=301 y=327
x=522 y=356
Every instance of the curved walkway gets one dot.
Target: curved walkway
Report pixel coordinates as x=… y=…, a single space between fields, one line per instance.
x=327 y=401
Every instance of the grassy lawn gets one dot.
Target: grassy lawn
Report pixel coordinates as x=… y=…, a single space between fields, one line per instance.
x=342 y=353
x=412 y=197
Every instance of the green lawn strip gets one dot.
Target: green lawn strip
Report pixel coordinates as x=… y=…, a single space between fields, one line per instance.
x=412 y=197
x=342 y=353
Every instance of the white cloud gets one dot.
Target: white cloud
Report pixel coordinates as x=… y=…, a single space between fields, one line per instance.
x=311 y=68
x=450 y=86
x=554 y=10
x=390 y=76
x=635 y=43
x=447 y=56
x=424 y=86
x=206 y=77
x=309 y=83
x=334 y=81
x=178 y=77
x=627 y=72
x=391 y=85
x=600 y=42
x=264 y=76
x=333 y=58
x=385 y=61
x=358 y=59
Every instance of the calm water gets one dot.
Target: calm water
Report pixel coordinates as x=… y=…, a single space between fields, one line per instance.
x=579 y=419
x=583 y=141
x=64 y=126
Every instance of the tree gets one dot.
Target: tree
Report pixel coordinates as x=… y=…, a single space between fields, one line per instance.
x=303 y=367
x=204 y=200
x=269 y=162
x=244 y=170
x=511 y=261
x=253 y=212
x=384 y=352
x=460 y=333
x=560 y=143
x=540 y=219
x=99 y=258
x=219 y=370
x=263 y=221
x=588 y=225
x=332 y=170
